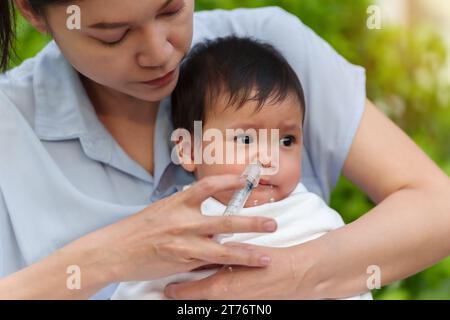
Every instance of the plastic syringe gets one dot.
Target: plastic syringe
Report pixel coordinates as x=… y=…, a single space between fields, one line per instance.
x=252 y=174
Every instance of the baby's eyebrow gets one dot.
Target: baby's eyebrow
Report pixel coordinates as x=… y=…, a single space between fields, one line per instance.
x=291 y=126
x=244 y=125
x=247 y=125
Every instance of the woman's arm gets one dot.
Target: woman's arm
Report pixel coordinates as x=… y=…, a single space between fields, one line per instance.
x=406 y=232
x=47 y=279
x=408 y=229
x=168 y=237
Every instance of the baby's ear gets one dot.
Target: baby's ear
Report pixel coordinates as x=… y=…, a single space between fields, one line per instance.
x=184 y=149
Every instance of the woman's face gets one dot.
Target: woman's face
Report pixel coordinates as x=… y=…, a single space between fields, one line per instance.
x=127 y=45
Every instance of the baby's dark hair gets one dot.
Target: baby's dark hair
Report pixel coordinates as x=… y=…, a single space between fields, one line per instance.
x=243 y=68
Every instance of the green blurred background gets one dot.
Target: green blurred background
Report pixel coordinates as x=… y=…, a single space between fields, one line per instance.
x=404 y=66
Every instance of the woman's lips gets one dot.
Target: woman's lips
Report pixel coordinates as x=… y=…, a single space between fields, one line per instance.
x=161 y=81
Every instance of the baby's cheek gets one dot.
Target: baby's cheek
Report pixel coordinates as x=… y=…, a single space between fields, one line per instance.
x=289 y=173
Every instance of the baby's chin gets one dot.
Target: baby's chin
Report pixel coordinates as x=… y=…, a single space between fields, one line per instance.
x=264 y=194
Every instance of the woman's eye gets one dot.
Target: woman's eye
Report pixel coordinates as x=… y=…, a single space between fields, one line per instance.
x=171 y=13
x=112 y=44
x=115 y=43
x=174 y=12
x=287 y=141
x=245 y=139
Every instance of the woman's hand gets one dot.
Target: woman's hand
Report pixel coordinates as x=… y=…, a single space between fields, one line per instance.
x=172 y=236
x=168 y=237
x=280 y=280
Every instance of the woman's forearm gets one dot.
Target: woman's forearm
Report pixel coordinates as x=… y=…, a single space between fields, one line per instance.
x=402 y=235
x=168 y=237
x=49 y=278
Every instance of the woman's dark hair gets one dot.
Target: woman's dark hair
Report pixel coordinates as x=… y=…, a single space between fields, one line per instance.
x=243 y=68
x=7 y=31
x=8 y=26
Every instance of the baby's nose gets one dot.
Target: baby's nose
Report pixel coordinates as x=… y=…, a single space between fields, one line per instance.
x=265 y=163
x=266 y=160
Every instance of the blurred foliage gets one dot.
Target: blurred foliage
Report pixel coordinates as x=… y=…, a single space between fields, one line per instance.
x=404 y=67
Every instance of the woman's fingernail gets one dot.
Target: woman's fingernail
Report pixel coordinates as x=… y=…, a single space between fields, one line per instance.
x=270 y=226
x=265 y=260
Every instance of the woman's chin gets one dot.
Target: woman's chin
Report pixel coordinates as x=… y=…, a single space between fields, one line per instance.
x=153 y=96
x=144 y=92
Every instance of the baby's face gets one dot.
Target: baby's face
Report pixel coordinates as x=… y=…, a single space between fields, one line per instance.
x=283 y=118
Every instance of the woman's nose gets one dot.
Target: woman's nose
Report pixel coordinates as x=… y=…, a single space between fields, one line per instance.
x=155 y=50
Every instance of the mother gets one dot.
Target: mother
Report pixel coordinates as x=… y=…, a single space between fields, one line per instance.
x=85 y=163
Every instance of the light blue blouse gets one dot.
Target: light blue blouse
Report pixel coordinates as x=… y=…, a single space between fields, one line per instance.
x=62 y=175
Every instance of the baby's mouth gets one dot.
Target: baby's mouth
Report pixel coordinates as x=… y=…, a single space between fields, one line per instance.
x=265 y=184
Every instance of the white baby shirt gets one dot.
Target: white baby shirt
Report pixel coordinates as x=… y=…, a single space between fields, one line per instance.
x=301 y=217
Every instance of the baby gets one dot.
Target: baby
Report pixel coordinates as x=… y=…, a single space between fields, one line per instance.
x=251 y=101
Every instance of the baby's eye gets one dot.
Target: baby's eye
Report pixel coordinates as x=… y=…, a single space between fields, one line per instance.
x=287 y=141
x=245 y=139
